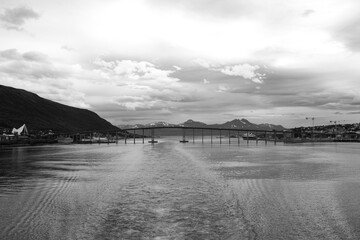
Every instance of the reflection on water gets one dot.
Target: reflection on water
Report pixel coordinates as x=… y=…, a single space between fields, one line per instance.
x=175 y=191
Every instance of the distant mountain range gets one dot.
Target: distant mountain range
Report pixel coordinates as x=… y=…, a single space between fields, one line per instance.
x=19 y=106
x=242 y=124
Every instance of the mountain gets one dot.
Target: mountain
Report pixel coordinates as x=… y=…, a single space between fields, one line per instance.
x=242 y=124
x=192 y=123
x=19 y=106
x=236 y=124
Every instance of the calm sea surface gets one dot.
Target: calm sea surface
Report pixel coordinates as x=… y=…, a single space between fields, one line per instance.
x=180 y=191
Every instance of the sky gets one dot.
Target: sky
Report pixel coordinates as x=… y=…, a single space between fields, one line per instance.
x=143 y=61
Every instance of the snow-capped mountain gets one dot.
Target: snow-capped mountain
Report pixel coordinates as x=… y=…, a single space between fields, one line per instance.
x=243 y=124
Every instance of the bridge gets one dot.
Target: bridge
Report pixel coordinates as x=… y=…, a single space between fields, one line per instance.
x=187 y=134
x=220 y=133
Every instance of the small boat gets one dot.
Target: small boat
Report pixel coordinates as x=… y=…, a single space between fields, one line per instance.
x=249 y=136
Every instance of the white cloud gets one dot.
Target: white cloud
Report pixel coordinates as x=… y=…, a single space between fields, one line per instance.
x=135 y=102
x=202 y=63
x=125 y=70
x=223 y=88
x=32 y=66
x=177 y=67
x=149 y=86
x=37 y=73
x=246 y=71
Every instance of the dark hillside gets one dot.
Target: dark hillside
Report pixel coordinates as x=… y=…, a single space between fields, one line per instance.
x=19 y=106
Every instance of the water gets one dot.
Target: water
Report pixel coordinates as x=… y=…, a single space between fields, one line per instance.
x=180 y=191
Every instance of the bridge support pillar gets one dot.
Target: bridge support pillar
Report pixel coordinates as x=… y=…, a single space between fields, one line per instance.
x=134 y=135
x=220 y=136
x=125 y=136
x=193 y=132
x=202 y=135
x=238 y=137
x=152 y=141
x=265 y=137
x=143 y=136
x=274 y=137
x=184 y=136
x=247 y=137
x=211 y=137
x=229 y=138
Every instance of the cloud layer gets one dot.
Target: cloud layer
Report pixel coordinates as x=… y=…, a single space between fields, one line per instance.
x=159 y=60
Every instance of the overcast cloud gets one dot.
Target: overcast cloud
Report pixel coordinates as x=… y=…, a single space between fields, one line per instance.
x=157 y=60
x=14 y=18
